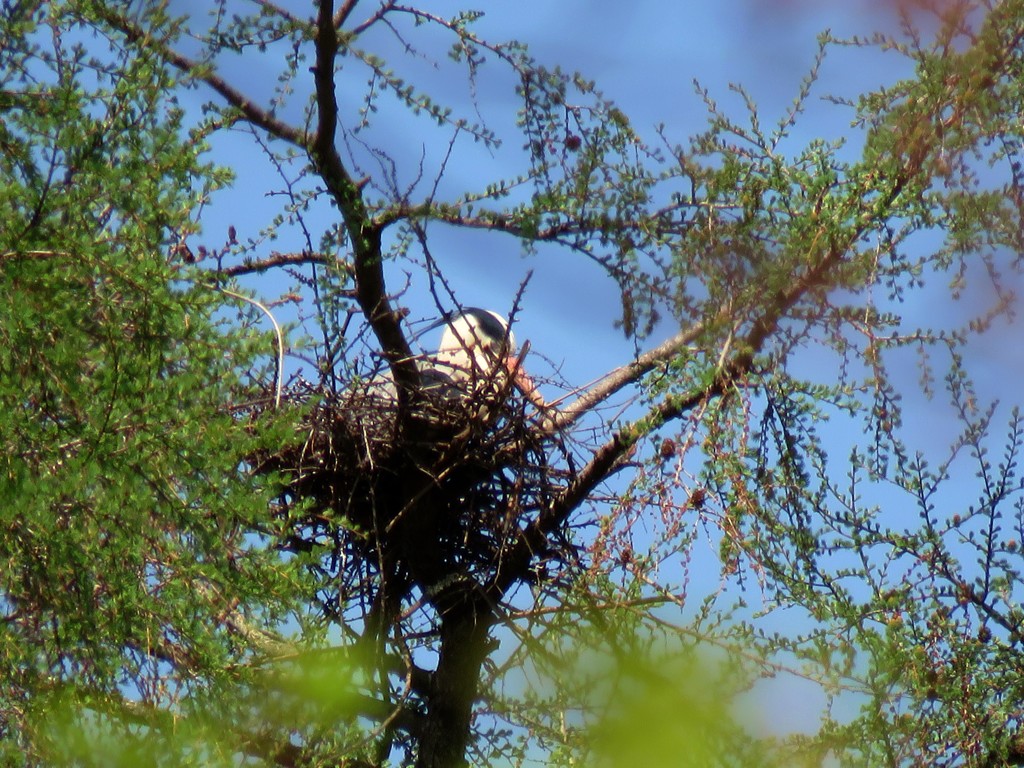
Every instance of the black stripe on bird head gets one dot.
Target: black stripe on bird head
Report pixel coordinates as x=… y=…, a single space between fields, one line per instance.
x=488 y=322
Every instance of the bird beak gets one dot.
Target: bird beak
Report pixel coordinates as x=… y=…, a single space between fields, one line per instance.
x=521 y=379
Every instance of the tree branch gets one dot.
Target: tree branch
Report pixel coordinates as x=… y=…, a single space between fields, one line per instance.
x=204 y=73
x=623 y=377
x=365 y=236
x=274 y=260
x=345 y=11
x=533 y=538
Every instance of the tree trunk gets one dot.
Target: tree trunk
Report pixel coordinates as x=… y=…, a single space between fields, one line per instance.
x=464 y=646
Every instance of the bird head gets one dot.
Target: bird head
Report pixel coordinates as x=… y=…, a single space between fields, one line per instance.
x=473 y=342
x=477 y=341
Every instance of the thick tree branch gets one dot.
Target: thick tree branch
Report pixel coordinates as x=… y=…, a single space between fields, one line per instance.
x=365 y=236
x=624 y=376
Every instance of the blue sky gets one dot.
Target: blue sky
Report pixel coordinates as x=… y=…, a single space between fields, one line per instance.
x=644 y=55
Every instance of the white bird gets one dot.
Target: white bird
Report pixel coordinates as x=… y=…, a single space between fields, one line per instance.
x=477 y=348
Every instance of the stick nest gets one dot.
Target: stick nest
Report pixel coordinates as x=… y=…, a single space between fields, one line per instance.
x=440 y=492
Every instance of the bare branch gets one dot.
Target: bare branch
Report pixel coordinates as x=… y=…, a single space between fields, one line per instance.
x=344 y=12
x=277 y=259
x=624 y=376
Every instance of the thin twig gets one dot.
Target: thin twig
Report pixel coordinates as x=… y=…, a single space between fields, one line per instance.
x=279 y=366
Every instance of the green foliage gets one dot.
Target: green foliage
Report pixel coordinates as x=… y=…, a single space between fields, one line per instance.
x=129 y=532
x=618 y=693
x=151 y=554
x=306 y=694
